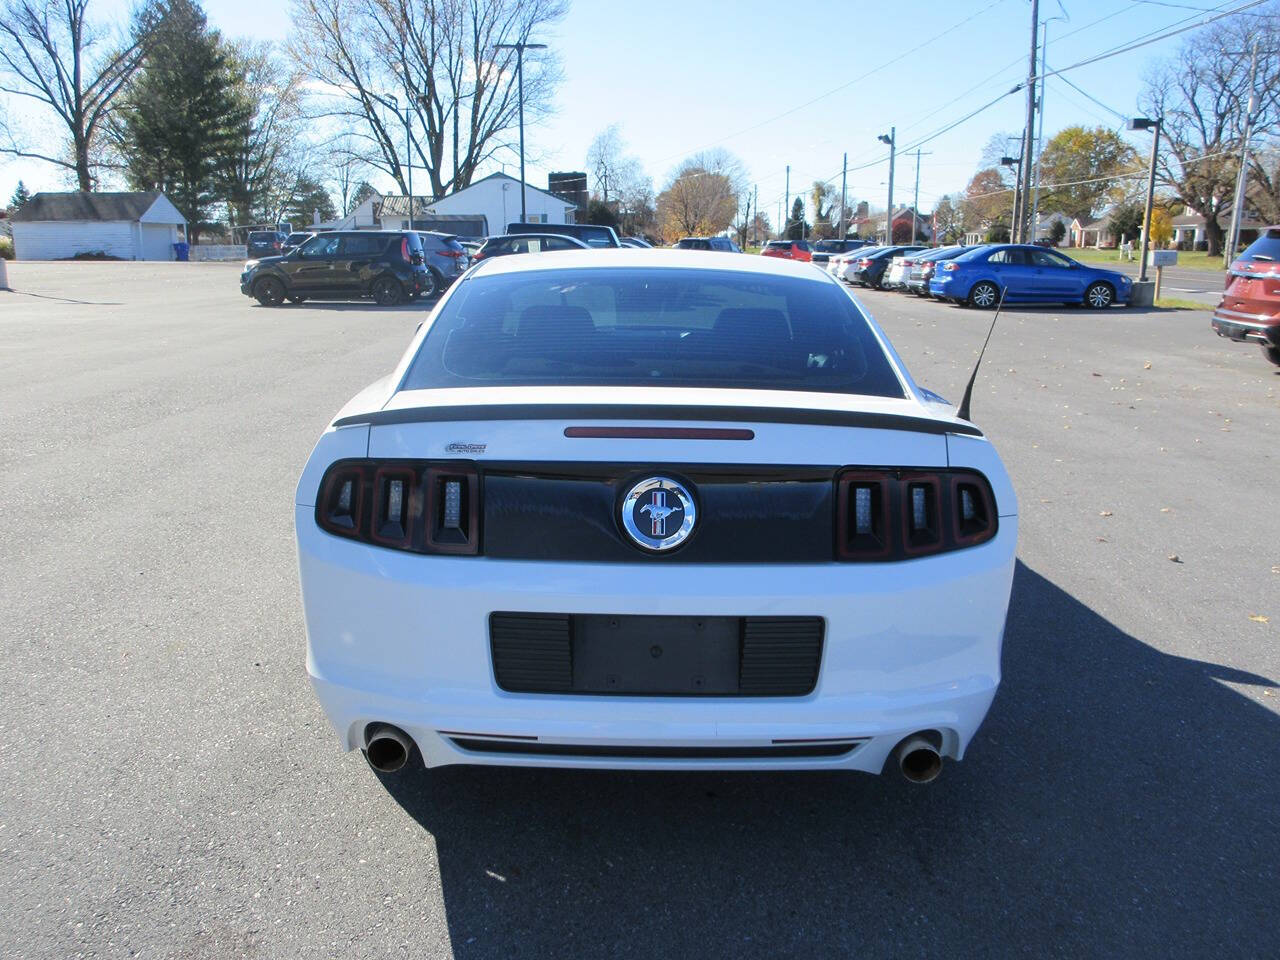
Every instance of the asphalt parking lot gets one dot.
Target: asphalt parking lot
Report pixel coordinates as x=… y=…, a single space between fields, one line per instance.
x=169 y=788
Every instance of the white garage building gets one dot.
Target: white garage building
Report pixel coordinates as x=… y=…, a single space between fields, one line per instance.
x=131 y=226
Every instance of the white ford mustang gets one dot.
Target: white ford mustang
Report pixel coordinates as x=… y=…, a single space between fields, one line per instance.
x=646 y=509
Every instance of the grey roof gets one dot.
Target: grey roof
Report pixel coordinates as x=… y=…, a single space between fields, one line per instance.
x=86 y=206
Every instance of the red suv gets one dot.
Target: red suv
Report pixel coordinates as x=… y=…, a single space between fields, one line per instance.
x=1250 y=307
x=788 y=250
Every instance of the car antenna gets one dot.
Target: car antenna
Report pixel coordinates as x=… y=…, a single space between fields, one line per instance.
x=962 y=411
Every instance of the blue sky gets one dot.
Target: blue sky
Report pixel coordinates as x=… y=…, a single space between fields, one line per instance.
x=799 y=82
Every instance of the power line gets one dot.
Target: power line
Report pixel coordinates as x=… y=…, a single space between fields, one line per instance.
x=1163 y=33
x=844 y=86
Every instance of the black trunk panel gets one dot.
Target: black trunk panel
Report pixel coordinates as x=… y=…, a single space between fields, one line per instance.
x=745 y=515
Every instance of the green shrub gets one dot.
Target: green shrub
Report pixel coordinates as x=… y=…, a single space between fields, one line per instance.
x=6 y=248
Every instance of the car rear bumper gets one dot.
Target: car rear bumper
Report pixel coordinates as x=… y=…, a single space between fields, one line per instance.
x=404 y=639
x=1250 y=327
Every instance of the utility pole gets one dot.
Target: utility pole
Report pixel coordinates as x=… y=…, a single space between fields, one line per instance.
x=520 y=48
x=844 y=182
x=1028 y=144
x=786 y=205
x=1142 y=123
x=892 y=141
x=1237 y=205
x=755 y=219
x=915 y=204
x=1035 y=189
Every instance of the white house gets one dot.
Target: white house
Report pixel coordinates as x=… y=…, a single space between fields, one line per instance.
x=131 y=226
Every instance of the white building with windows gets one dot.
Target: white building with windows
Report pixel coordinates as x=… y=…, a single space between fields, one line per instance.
x=482 y=209
x=497 y=198
x=128 y=226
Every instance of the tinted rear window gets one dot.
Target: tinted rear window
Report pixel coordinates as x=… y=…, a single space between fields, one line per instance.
x=652 y=327
x=1266 y=247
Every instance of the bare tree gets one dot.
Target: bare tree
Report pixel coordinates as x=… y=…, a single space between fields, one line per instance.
x=51 y=53
x=373 y=61
x=271 y=157
x=619 y=179
x=347 y=171
x=1202 y=93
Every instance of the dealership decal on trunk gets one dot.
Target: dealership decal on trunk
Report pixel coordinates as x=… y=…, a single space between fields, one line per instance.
x=658 y=513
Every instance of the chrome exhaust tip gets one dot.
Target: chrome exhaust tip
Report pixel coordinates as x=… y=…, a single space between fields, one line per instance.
x=386 y=747
x=918 y=759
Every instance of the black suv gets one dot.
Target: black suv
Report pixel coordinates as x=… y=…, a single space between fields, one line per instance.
x=265 y=243
x=384 y=264
x=593 y=235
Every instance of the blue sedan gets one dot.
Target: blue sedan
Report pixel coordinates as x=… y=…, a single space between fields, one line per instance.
x=1026 y=274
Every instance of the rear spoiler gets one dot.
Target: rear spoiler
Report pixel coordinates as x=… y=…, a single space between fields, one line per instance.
x=608 y=411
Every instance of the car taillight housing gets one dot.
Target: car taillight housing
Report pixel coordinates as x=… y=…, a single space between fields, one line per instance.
x=908 y=263
x=414 y=505
x=864 y=263
x=950 y=267
x=452 y=253
x=886 y=514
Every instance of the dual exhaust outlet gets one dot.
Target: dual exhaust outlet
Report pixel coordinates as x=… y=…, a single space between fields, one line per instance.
x=387 y=750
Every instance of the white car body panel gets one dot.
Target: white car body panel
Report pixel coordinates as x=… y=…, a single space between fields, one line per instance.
x=401 y=638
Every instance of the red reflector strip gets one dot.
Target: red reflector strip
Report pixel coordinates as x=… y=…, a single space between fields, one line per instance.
x=659 y=433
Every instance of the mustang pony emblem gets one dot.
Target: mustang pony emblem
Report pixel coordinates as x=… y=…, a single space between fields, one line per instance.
x=658 y=513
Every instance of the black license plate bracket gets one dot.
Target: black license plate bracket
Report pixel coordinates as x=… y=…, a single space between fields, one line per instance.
x=656 y=655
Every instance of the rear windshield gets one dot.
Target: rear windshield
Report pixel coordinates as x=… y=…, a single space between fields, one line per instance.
x=652 y=327
x=692 y=243
x=1266 y=247
x=779 y=244
x=263 y=237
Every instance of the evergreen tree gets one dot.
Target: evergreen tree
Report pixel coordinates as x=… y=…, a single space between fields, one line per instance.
x=797 y=228
x=20 y=196
x=308 y=198
x=176 y=129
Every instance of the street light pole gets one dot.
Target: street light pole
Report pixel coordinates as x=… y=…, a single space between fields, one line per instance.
x=520 y=48
x=1142 y=123
x=1015 y=163
x=892 y=141
x=408 y=148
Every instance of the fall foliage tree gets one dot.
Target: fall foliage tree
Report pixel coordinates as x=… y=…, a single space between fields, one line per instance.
x=987 y=201
x=1093 y=154
x=701 y=198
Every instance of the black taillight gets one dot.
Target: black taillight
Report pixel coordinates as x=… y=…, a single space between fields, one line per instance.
x=420 y=506
x=898 y=514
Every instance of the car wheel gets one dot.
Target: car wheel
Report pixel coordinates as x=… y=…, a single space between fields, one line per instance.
x=297 y=299
x=431 y=286
x=984 y=295
x=387 y=291
x=1271 y=353
x=269 y=292
x=1099 y=296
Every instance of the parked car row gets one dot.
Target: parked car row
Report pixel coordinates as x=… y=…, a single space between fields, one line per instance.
x=983 y=276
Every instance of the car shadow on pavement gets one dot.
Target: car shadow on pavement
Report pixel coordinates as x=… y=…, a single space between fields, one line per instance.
x=1118 y=801
x=342 y=306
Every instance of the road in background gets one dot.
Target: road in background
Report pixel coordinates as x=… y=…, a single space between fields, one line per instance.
x=169 y=787
x=1203 y=286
